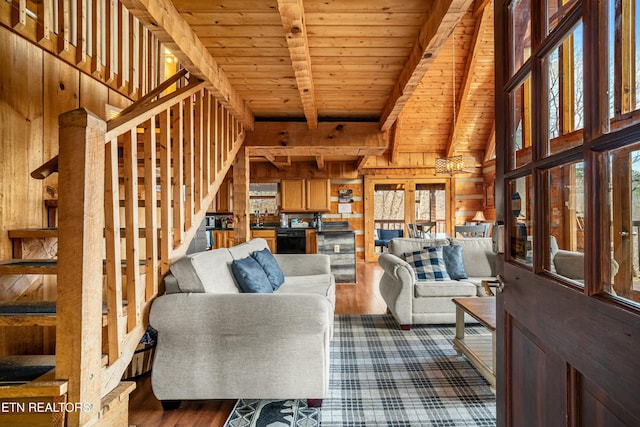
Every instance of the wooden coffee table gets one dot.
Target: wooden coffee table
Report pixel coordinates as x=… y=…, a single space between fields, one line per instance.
x=480 y=350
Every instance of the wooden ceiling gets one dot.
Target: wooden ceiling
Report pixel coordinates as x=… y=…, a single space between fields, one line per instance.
x=318 y=61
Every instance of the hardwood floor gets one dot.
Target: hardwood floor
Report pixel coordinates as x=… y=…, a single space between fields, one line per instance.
x=145 y=410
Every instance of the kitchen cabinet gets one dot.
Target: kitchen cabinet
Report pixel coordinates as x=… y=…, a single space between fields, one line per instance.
x=305 y=195
x=268 y=235
x=318 y=195
x=222 y=239
x=312 y=241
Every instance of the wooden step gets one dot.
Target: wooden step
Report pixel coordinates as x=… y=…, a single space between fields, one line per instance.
x=33 y=367
x=28 y=313
x=38 y=313
x=52 y=233
x=42 y=390
x=29 y=266
x=45 y=266
x=34 y=233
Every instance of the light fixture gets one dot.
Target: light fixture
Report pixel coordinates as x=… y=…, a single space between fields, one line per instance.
x=479 y=217
x=454 y=164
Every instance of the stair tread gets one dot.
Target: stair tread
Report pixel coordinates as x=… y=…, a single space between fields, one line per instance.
x=28 y=376
x=41 y=266
x=33 y=233
x=52 y=232
x=37 y=313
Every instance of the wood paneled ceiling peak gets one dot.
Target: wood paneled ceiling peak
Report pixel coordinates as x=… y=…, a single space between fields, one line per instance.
x=313 y=61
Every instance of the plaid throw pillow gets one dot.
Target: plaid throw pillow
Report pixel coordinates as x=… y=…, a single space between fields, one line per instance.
x=428 y=264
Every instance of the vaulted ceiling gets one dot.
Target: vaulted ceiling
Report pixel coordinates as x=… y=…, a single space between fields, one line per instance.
x=382 y=62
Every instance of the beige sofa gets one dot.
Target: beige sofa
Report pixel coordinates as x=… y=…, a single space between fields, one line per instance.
x=414 y=301
x=217 y=343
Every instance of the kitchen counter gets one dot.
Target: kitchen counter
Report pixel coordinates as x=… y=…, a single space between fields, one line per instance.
x=335 y=231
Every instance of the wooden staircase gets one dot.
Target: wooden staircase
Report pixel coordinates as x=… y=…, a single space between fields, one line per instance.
x=132 y=193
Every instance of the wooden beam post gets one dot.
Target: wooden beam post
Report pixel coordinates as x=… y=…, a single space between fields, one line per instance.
x=241 y=232
x=81 y=223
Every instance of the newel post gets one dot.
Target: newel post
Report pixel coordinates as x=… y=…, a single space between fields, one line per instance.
x=80 y=253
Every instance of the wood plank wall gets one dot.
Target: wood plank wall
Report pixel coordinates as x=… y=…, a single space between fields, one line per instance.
x=36 y=88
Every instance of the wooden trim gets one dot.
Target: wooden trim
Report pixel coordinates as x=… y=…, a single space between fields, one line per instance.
x=151 y=212
x=113 y=251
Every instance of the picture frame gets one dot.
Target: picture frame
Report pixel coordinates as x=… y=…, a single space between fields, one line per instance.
x=489 y=195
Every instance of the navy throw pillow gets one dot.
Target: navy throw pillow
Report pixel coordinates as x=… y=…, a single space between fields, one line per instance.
x=428 y=264
x=453 y=261
x=250 y=276
x=270 y=266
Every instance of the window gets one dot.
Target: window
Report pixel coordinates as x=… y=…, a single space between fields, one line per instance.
x=565 y=201
x=431 y=205
x=263 y=197
x=565 y=95
x=624 y=199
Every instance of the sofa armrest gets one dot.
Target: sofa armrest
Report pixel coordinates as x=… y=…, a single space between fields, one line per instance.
x=396 y=287
x=303 y=264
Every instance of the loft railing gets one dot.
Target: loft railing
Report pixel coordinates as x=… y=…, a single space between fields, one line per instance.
x=132 y=191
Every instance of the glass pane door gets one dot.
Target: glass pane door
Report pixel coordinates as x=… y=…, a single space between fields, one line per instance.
x=388 y=213
x=431 y=207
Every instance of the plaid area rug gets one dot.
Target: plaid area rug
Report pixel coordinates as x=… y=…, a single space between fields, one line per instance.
x=382 y=376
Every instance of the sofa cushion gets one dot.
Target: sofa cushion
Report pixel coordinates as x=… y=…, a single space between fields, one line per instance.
x=428 y=264
x=245 y=249
x=208 y=271
x=270 y=266
x=400 y=246
x=450 y=288
x=317 y=284
x=477 y=253
x=453 y=261
x=250 y=276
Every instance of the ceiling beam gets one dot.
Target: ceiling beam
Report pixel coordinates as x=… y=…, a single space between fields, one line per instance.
x=164 y=21
x=441 y=21
x=292 y=16
x=479 y=7
x=361 y=162
x=462 y=101
x=489 y=152
x=394 y=143
x=328 y=139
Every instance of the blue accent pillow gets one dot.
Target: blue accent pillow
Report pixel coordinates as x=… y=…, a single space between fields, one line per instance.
x=453 y=261
x=428 y=264
x=270 y=266
x=250 y=276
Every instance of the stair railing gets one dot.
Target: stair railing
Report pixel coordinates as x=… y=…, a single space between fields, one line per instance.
x=134 y=189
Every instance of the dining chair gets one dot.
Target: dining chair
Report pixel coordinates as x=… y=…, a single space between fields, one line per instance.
x=470 y=230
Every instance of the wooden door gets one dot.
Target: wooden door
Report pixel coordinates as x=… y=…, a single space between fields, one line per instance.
x=567 y=334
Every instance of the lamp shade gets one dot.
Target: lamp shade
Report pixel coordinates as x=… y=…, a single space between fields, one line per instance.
x=479 y=217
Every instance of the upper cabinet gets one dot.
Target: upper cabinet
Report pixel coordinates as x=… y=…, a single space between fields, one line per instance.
x=318 y=194
x=301 y=195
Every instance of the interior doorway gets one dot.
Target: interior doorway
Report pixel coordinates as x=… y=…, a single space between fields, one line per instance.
x=394 y=203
